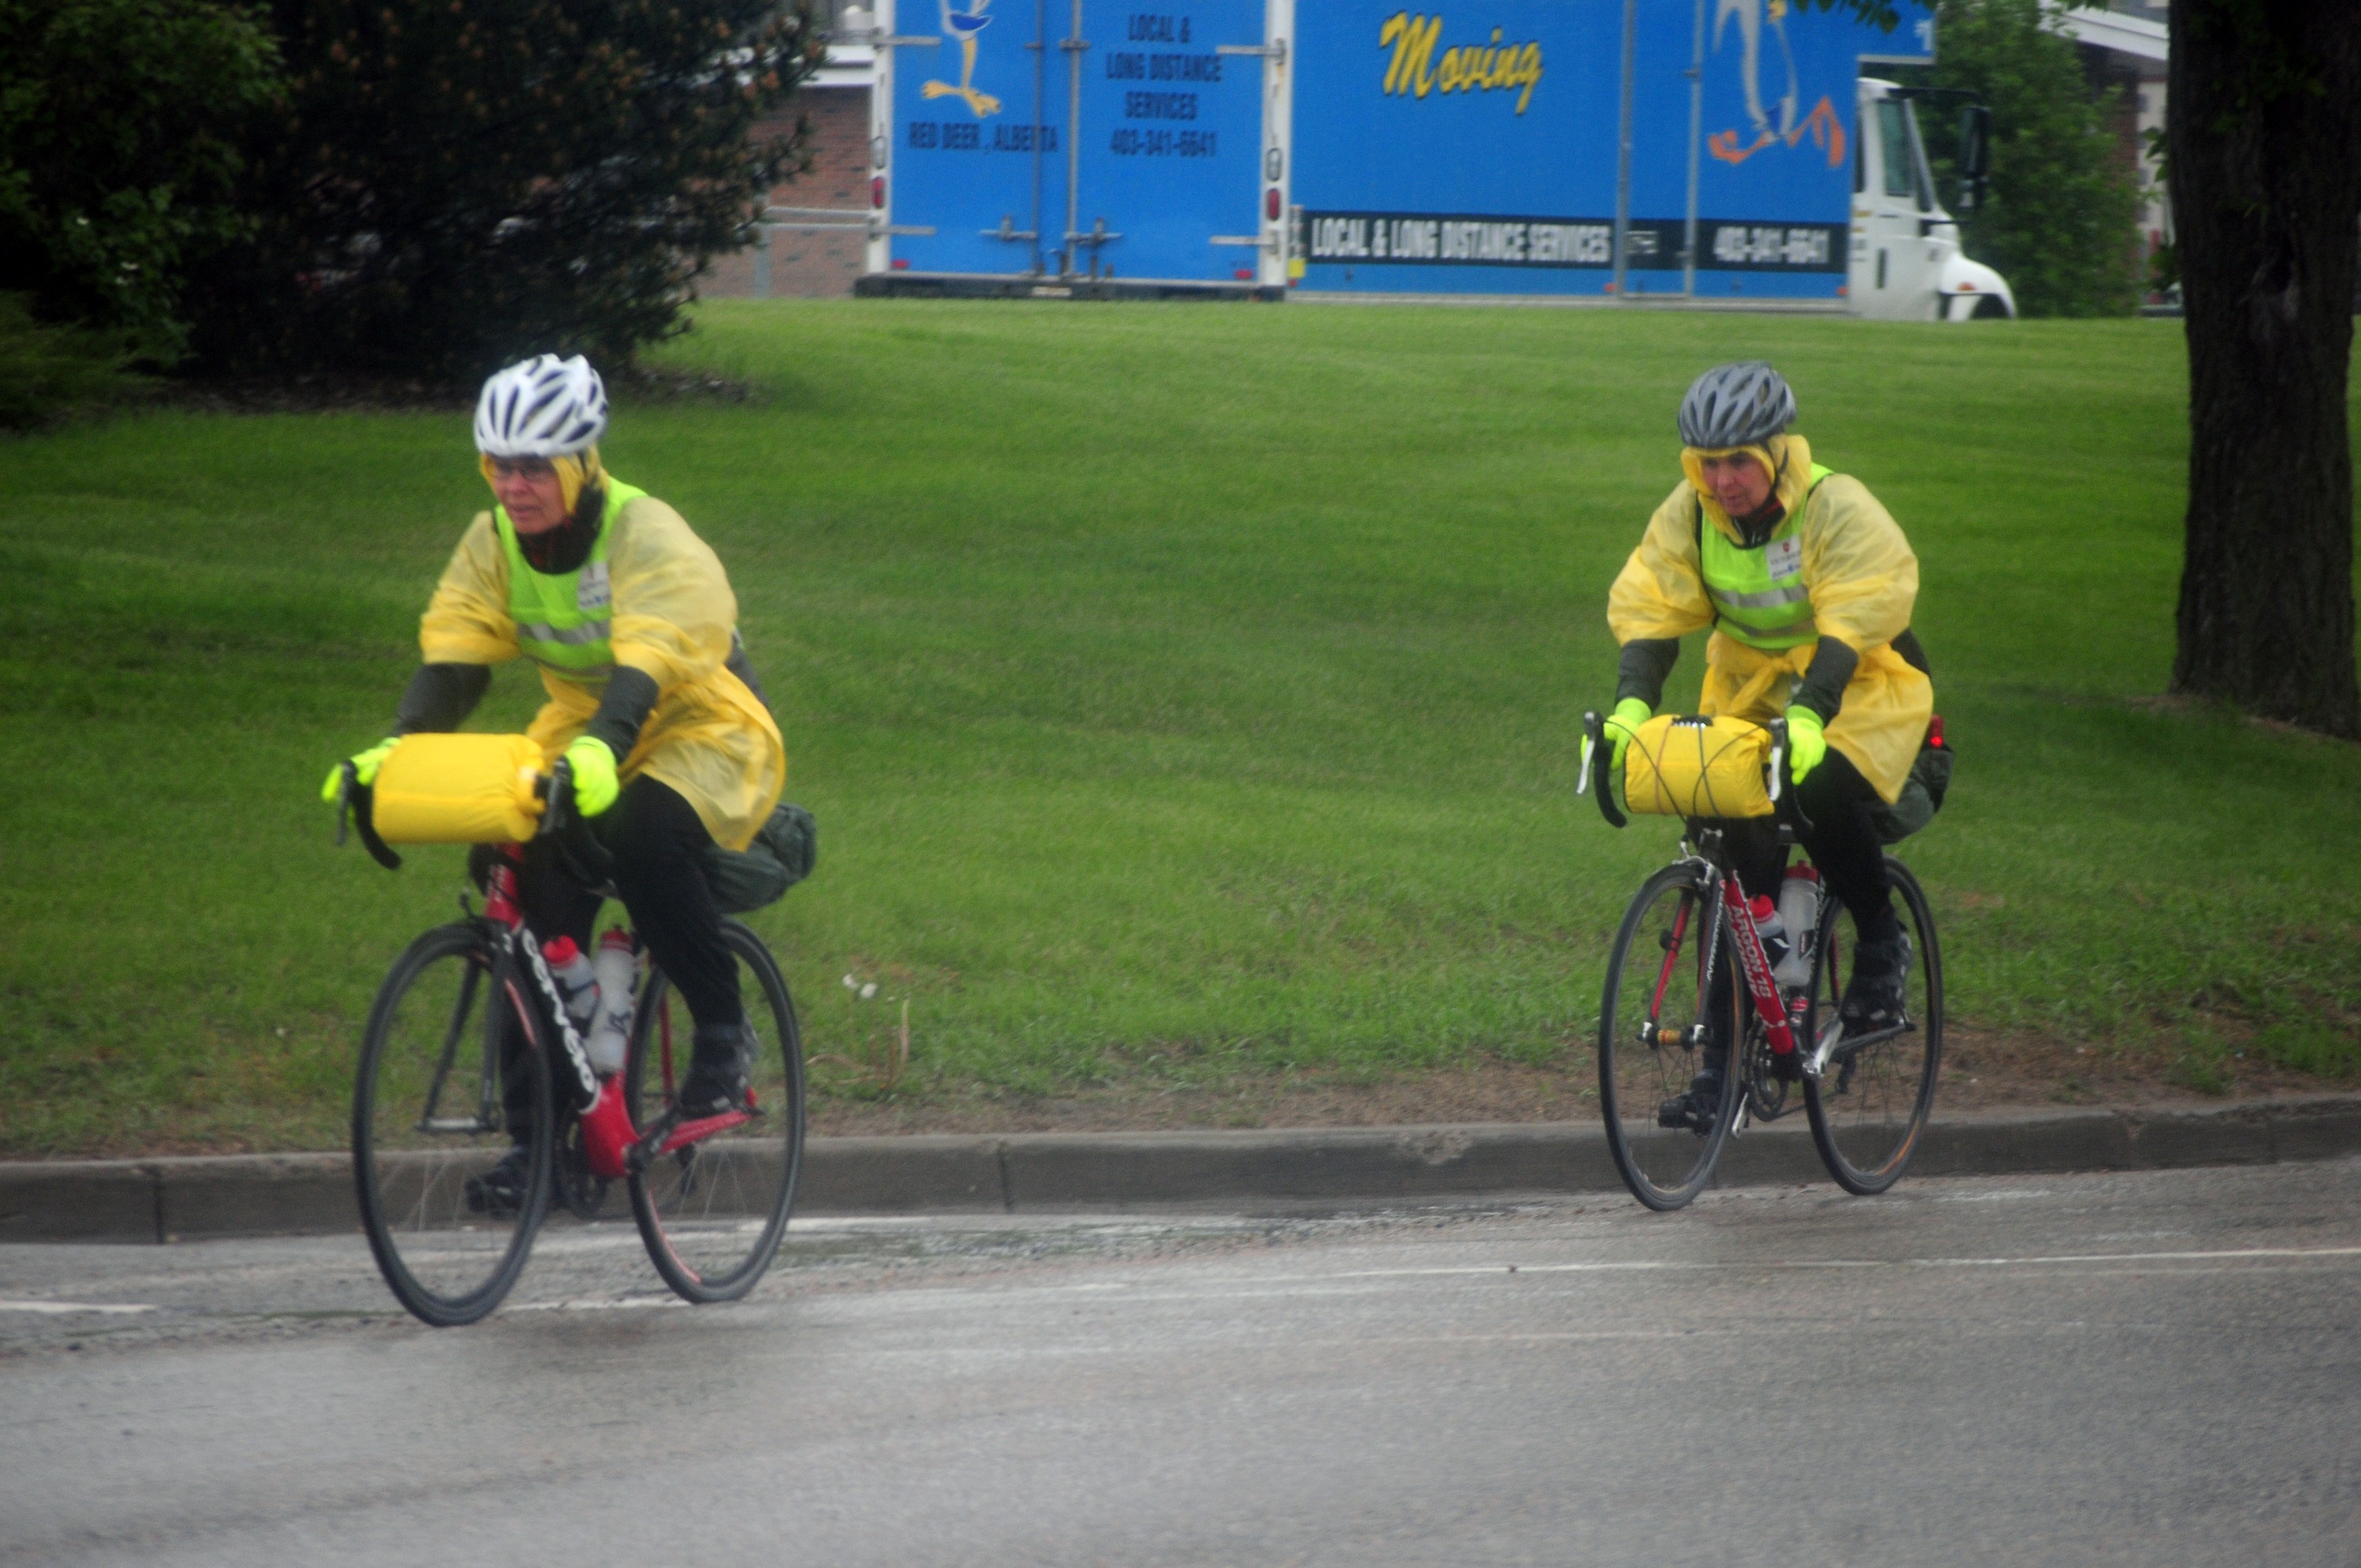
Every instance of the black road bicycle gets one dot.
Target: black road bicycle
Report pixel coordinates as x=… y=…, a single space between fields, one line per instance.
x=471 y=1052
x=1689 y=988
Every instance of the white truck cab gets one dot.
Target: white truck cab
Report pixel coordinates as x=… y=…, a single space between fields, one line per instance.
x=1905 y=262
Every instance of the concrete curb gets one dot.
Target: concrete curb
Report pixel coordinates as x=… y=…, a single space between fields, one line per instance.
x=174 y=1200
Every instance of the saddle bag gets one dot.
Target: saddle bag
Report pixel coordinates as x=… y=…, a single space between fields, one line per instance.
x=783 y=854
x=1922 y=792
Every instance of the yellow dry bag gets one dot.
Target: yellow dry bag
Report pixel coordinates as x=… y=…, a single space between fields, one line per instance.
x=458 y=789
x=1678 y=767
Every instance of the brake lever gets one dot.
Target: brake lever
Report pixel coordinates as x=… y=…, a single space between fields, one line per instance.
x=353 y=808
x=1782 y=783
x=1597 y=760
x=558 y=792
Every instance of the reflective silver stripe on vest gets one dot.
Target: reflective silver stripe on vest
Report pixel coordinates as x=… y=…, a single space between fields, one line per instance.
x=571 y=636
x=1769 y=599
x=1742 y=629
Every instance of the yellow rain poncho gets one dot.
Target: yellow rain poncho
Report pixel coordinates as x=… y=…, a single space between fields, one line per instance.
x=708 y=737
x=1862 y=579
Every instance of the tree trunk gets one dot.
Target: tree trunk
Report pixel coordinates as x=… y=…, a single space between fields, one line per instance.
x=2264 y=163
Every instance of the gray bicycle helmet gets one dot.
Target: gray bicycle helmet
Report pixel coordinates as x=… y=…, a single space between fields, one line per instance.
x=542 y=407
x=1736 y=405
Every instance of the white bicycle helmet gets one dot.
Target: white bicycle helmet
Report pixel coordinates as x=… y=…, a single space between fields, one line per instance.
x=1736 y=405
x=542 y=407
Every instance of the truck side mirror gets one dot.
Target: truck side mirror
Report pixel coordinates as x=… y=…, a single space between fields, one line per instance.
x=1975 y=155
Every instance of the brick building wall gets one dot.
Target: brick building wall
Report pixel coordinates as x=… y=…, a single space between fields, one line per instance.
x=810 y=264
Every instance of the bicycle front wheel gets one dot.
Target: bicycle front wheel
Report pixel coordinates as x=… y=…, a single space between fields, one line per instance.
x=451 y=1129
x=1870 y=1106
x=1663 y=1020
x=713 y=1214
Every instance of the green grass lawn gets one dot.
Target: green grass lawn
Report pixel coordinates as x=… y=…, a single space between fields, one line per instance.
x=1182 y=692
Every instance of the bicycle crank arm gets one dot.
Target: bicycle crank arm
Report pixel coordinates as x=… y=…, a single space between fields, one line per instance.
x=669 y=1135
x=1837 y=1047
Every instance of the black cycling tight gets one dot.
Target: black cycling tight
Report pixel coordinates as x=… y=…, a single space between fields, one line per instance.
x=1842 y=843
x=656 y=838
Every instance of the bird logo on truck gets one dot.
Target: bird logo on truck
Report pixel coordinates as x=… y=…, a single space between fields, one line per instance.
x=1823 y=124
x=963 y=27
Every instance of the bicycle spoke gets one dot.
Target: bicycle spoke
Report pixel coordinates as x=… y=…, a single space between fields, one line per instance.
x=447 y=1243
x=712 y=1211
x=1668 y=1015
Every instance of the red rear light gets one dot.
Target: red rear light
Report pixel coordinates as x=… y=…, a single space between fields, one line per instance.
x=877 y=193
x=1270 y=204
x=901 y=263
x=1242 y=274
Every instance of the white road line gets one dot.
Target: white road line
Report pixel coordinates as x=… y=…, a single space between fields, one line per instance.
x=64 y=1308
x=1684 y=1265
x=620 y=1304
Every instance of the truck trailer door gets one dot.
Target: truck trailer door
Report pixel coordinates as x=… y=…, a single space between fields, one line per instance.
x=1079 y=137
x=1167 y=138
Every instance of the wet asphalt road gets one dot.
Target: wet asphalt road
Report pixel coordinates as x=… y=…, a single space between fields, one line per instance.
x=2155 y=1369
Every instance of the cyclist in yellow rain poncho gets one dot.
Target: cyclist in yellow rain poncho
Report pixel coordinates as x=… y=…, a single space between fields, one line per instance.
x=631 y=620
x=1808 y=585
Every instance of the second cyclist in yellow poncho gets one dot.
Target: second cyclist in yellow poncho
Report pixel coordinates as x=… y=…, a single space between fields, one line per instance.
x=1808 y=585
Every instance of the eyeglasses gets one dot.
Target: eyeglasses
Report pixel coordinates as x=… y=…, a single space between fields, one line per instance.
x=519 y=467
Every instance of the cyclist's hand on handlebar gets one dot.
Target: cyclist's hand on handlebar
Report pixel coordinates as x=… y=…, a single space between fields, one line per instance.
x=593 y=766
x=365 y=767
x=1622 y=725
x=1806 y=742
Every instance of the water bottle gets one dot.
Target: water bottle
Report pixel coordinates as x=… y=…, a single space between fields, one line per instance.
x=1799 y=911
x=618 y=967
x=1772 y=930
x=577 y=983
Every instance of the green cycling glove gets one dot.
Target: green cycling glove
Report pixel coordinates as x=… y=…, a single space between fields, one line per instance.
x=1622 y=724
x=595 y=786
x=365 y=767
x=1807 y=741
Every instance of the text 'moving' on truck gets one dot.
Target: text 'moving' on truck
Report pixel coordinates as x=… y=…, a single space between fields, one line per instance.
x=1358 y=146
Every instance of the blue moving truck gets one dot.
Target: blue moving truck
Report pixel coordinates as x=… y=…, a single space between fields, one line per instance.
x=1358 y=146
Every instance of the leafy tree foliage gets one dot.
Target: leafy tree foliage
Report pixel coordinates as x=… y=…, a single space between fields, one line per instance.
x=119 y=125
x=2062 y=222
x=450 y=185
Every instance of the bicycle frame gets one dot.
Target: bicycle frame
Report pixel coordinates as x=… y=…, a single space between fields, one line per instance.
x=611 y=1145
x=1727 y=896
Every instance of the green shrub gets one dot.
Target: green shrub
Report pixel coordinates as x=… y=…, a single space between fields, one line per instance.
x=447 y=186
x=119 y=122
x=45 y=370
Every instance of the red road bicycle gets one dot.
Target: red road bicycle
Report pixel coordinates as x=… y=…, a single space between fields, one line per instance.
x=470 y=1051
x=1689 y=988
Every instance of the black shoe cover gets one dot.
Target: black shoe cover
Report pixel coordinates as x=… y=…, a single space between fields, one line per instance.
x=498 y=1193
x=1873 y=998
x=719 y=1059
x=1695 y=1107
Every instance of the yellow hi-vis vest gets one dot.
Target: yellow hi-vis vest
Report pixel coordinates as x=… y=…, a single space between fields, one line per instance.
x=565 y=619
x=1758 y=595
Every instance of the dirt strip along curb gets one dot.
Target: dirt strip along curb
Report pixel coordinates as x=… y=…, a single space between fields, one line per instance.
x=184 y=1199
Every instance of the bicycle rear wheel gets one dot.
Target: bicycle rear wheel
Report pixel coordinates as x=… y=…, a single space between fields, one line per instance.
x=1662 y=1021
x=432 y=1119
x=1870 y=1106
x=713 y=1214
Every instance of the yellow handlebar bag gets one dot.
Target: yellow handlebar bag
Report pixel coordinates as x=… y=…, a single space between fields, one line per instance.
x=1678 y=767
x=458 y=789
